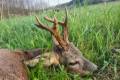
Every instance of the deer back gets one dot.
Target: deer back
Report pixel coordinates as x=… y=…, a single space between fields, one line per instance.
x=12 y=66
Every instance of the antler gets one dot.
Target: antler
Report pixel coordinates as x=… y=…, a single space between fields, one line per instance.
x=54 y=31
x=40 y=25
x=64 y=26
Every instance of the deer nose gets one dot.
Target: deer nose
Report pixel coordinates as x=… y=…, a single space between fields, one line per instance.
x=89 y=66
x=95 y=68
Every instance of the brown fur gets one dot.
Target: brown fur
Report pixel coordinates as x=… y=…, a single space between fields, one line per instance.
x=12 y=66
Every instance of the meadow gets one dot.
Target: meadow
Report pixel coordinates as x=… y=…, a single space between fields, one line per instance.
x=94 y=29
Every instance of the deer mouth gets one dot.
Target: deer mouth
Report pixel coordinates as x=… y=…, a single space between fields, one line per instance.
x=76 y=69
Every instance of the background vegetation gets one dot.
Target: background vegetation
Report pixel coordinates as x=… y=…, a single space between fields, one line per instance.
x=93 y=29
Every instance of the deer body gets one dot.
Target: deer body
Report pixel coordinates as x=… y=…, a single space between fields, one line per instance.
x=12 y=66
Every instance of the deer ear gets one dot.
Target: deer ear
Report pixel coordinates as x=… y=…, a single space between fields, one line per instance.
x=30 y=54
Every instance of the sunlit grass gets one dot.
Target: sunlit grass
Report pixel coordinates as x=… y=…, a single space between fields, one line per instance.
x=93 y=29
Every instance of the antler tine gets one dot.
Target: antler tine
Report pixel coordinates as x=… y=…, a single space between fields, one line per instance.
x=66 y=16
x=65 y=27
x=48 y=19
x=40 y=25
x=55 y=22
x=51 y=20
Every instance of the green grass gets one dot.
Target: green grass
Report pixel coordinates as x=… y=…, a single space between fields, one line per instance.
x=93 y=29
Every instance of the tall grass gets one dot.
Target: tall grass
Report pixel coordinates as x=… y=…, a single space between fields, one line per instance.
x=93 y=29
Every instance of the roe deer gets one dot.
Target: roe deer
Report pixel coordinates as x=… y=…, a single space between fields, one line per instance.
x=64 y=52
x=12 y=65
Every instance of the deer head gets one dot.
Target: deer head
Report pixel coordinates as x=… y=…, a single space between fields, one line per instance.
x=64 y=51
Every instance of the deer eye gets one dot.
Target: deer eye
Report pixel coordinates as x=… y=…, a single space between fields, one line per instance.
x=74 y=63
